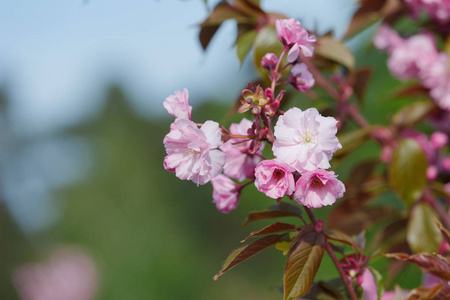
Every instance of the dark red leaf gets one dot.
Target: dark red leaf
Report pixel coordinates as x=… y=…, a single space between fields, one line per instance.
x=273 y=228
x=427 y=262
x=245 y=252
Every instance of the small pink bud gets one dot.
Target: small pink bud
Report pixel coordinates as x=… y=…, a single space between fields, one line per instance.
x=269 y=61
x=432 y=172
x=438 y=140
x=446 y=163
x=386 y=154
x=319 y=226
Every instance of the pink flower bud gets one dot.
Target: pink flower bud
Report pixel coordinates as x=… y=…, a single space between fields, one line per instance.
x=446 y=163
x=301 y=78
x=177 y=105
x=438 y=140
x=386 y=38
x=447 y=188
x=269 y=61
x=318 y=188
x=225 y=193
x=432 y=172
x=274 y=178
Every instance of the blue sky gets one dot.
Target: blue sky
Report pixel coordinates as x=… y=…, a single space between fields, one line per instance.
x=56 y=57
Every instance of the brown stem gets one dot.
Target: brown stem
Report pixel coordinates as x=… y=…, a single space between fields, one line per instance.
x=330 y=251
x=341 y=271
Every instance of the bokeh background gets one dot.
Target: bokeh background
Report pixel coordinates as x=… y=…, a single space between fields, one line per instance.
x=81 y=129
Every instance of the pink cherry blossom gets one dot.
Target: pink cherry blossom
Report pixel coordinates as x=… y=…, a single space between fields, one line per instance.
x=368 y=285
x=438 y=10
x=177 y=105
x=191 y=152
x=239 y=163
x=305 y=139
x=441 y=93
x=274 y=178
x=414 y=54
x=269 y=61
x=387 y=39
x=225 y=193
x=301 y=78
x=68 y=274
x=318 y=188
x=438 y=140
x=291 y=33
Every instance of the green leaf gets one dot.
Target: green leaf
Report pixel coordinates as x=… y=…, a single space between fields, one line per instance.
x=422 y=234
x=273 y=228
x=281 y=209
x=378 y=280
x=412 y=114
x=351 y=140
x=407 y=171
x=245 y=252
x=303 y=262
x=336 y=51
x=244 y=44
x=285 y=242
x=265 y=42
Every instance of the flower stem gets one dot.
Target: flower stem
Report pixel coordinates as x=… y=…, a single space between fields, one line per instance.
x=336 y=262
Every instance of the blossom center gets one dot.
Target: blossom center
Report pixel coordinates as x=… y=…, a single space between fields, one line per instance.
x=316 y=183
x=304 y=137
x=278 y=174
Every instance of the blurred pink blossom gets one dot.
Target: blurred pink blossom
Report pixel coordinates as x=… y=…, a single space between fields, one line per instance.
x=438 y=10
x=318 y=188
x=305 y=139
x=291 y=33
x=368 y=284
x=407 y=59
x=225 y=193
x=67 y=274
x=387 y=39
x=301 y=78
x=438 y=140
x=274 y=178
x=177 y=105
x=239 y=163
x=191 y=152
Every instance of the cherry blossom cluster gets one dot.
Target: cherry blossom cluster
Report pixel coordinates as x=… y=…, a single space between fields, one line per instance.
x=417 y=57
x=302 y=142
x=438 y=10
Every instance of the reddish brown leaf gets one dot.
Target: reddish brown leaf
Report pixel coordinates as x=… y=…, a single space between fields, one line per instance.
x=362 y=78
x=206 y=34
x=245 y=252
x=444 y=231
x=273 y=228
x=423 y=293
x=281 y=209
x=412 y=114
x=303 y=262
x=411 y=90
x=427 y=262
